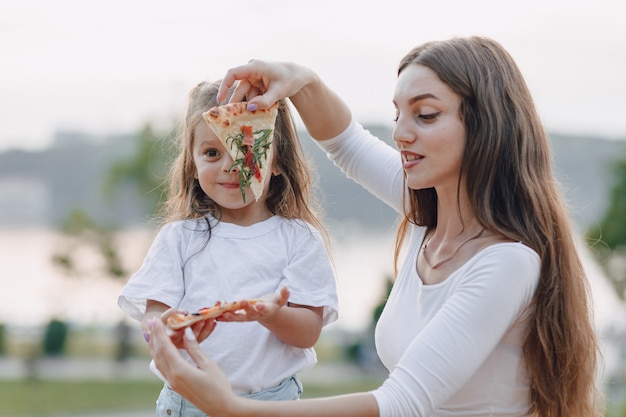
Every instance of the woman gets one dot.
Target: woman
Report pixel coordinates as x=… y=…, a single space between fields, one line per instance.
x=490 y=314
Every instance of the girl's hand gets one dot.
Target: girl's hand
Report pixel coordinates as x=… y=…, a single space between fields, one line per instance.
x=260 y=310
x=204 y=384
x=201 y=329
x=264 y=83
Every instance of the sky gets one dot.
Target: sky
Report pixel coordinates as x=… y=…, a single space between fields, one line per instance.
x=110 y=67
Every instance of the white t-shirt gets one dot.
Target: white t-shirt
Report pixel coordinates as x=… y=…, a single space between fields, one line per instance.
x=187 y=269
x=453 y=348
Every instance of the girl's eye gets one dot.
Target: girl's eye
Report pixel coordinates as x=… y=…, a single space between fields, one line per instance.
x=212 y=153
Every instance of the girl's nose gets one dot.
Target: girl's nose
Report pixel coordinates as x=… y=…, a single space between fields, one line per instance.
x=228 y=164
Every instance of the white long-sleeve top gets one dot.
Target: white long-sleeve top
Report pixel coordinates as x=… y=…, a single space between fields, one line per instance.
x=452 y=348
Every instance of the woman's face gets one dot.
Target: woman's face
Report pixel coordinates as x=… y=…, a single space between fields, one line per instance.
x=429 y=132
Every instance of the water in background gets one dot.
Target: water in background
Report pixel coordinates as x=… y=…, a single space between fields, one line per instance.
x=35 y=290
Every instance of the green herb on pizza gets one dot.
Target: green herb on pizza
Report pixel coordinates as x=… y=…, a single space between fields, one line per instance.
x=254 y=146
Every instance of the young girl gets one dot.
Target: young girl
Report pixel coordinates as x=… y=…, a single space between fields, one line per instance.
x=489 y=314
x=215 y=247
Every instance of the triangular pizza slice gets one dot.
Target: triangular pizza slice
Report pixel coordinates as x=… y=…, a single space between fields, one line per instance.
x=247 y=136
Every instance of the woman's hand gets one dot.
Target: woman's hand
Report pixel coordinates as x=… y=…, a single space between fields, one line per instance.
x=264 y=83
x=204 y=384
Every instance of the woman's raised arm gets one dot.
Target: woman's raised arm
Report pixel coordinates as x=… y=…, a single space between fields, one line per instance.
x=323 y=112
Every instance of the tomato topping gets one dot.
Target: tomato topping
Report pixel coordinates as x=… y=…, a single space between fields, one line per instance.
x=248 y=137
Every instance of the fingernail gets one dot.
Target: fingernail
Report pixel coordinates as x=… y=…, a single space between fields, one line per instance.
x=146 y=336
x=151 y=323
x=251 y=107
x=189 y=334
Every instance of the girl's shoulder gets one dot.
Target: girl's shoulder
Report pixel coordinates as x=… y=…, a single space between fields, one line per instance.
x=185 y=227
x=297 y=226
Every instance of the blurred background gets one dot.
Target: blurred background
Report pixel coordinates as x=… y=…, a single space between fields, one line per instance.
x=91 y=93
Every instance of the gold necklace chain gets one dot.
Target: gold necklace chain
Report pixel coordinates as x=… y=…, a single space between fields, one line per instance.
x=447 y=258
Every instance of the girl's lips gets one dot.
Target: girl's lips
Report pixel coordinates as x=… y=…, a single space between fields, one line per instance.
x=230 y=184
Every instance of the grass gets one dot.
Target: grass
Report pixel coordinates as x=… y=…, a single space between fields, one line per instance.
x=50 y=398
x=63 y=398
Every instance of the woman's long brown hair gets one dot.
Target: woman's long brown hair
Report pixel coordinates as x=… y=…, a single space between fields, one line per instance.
x=512 y=191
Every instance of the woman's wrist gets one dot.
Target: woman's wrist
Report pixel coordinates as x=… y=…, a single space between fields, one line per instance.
x=323 y=112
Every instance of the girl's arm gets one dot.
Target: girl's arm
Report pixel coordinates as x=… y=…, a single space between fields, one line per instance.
x=323 y=112
x=294 y=324
x=154 y=310
x=205 y=385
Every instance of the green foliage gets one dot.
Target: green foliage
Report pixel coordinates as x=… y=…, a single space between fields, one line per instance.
x=146 y=171
x=378 y=310
x=3 y=341
x=55 y=338
x=82 y=231
x=612 y=228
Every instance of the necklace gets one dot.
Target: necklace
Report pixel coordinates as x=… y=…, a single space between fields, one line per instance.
x=447 y=258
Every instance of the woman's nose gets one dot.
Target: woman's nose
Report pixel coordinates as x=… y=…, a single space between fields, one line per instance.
x=402 y=132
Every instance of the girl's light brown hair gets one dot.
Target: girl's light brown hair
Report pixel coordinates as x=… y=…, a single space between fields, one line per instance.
x=290 y=193
x=512 y=191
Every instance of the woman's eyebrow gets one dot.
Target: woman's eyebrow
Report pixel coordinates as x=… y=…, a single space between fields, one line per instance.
x=422 y=97
x=417 y=98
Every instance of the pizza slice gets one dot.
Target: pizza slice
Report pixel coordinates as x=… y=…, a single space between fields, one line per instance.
x=178 y=321
x=247 y=136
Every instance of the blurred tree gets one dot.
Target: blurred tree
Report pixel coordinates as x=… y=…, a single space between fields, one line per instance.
x=363 y=351
x=82 y=231
x=3 y=346
x=612 y=227
x=145 y=171
x=611 y=231
x=55 y=338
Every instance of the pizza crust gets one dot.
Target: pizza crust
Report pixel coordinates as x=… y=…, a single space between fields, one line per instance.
x=250 y=154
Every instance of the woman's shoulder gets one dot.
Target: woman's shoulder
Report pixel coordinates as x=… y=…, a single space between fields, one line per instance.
x=510 y=249
x=508 y=259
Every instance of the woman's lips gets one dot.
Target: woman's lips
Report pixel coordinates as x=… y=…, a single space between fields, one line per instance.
x=410 y=159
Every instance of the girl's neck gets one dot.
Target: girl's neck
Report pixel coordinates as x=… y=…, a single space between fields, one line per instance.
x=246 y=216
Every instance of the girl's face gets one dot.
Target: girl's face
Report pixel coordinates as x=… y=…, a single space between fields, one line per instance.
x=212 y=163
x=429 y=132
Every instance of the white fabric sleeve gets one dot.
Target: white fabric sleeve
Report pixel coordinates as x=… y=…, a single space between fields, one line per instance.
x=159 y=278
x=310 y=276
x=369 y=161
x=460 y=337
